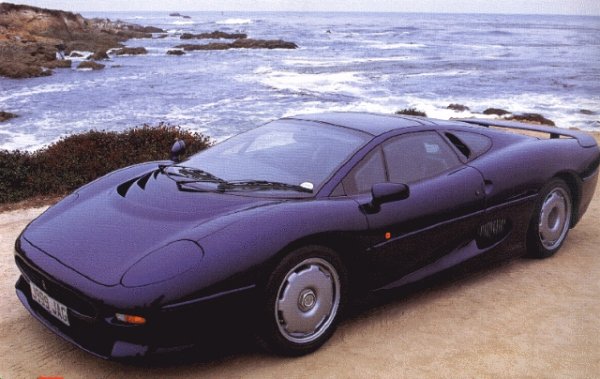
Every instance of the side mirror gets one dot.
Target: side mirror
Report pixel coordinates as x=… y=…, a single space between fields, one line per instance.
x=177 y=149
x=382 y=193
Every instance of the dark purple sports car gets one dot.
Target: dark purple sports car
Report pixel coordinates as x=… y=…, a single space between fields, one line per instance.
x=286 y=223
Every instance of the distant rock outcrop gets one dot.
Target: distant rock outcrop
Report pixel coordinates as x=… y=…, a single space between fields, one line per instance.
x=495 y=111
x=458 y=107
x=243 y=43
x=131 y=51
x=4 y=116
x=31 y=37
x=177 y=14
x=214 y=35
x=531 y=118
x=176 y=52
x=91 y=64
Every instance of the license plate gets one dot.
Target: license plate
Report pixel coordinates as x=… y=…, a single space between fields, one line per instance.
x=55 y=308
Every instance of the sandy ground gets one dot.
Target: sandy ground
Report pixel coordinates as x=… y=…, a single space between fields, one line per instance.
x=523 y=319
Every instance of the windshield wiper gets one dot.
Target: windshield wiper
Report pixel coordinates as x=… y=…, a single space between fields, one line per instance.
x=261 y=185
x=194 y=175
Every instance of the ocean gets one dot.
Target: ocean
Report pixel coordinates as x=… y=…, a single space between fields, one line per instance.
x=376 y=62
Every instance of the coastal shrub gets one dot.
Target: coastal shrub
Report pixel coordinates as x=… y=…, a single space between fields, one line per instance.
x=412 y=112
x=80 y=158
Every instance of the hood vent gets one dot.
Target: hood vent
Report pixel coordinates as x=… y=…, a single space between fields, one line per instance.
x=141 y=181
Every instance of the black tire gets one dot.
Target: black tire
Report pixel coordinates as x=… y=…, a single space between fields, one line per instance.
x=551 y=220
x=303 y=299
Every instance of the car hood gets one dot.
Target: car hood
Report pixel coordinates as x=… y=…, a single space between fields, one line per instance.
x=101 y=232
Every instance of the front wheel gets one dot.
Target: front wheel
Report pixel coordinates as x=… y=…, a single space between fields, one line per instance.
x=303 y=300
x=551 y=220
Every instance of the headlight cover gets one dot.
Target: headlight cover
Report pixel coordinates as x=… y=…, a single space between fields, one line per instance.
x=164 y=263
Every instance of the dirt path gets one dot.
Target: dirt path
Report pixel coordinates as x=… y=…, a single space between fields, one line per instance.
x=524 y=319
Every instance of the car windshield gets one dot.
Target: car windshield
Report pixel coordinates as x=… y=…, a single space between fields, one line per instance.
x=285 y=151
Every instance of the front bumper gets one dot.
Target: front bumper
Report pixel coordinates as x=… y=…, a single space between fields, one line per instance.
x=94 y=329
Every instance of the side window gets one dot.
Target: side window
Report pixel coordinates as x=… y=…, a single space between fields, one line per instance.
x=416 y=156
x=367 y=172
x=475 y=143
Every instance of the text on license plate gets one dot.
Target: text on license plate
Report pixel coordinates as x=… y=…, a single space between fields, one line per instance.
x=55 y=308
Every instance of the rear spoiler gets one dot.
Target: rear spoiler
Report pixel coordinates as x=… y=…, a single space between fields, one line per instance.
x=584 y=139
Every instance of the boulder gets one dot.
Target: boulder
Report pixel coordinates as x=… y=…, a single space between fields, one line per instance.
x=587 y=112
x=4 y=116
x=248 y=43
x=411 y=112
x=75 y=54
x=99 y=55
x=175 y=52
x=214 y=35
x=458 y=107
x=495 y=111
x=131 y=51
x=59 y=63
x=91 y=64
x=531 y=118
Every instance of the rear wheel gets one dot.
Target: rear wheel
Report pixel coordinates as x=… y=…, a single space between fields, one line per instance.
x=551 y=220
x=303 y=300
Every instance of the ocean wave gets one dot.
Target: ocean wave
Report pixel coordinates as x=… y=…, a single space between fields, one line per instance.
x=40 y=89
x=390 y=46
x=334 y=62
x=183 y=22
x=234 y=21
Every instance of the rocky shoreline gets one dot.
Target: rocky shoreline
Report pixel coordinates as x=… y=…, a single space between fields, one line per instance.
x=34 y=41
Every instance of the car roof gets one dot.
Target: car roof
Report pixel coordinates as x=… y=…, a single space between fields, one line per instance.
x=372 y=123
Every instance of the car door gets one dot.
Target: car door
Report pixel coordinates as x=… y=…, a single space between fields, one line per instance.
x=432 y=228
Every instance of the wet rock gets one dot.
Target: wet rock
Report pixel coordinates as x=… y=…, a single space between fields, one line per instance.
x=458 y=107
x=175 y=52
x=161 y=36
x=495 y=111
x=177 y=14
x=99 y=55
x=214 y=35
x=91 y=64
x=131 y=51
x=208 y=46
x=249 y=43
x=4 y=116
x=587 y=112
x=75 y=54
x=29 y=37
x=531 y=118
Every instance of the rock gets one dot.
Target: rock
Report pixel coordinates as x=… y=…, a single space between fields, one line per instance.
x=531 y=118
x=4 y=116
x=214 y=35
x=412 y=112
x=184 y=16
x=131 y=51
x=75 y=55
x=175 y=52
x=495 y=111
x=161 y=36
x=91 y=64
x=587 y=112
x=29 y=37
x=99 y=55
x=208 y=46
x=248 y=43
x=458 y=107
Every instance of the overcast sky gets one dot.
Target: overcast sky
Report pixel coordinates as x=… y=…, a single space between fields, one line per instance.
x=579 y=7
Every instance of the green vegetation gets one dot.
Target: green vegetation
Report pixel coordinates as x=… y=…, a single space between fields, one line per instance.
x=78 y=159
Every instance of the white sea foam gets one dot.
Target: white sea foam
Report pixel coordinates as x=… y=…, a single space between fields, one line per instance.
x=340 y=83
x=333 y=62
x=40 y=89
x=390 y=46
x=234 y=21
x=183 y=22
